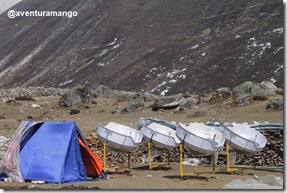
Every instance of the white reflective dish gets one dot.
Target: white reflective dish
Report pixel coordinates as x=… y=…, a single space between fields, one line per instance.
x=244 y=139
x=200 y=139
x=118 y=137
x=161 y=136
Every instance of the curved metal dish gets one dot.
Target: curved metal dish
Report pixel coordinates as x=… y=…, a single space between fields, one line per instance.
x=118 y=137
x=200 y=139
x=244 y=139
x=161 y=136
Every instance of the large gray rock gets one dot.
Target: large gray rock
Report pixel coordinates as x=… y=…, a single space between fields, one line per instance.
x=103 y=91
x=244 y=93
x=129 y=107
x=189 y=102
x=176 y=101
x=275 y=103
x=221 y=93
x=168 y=102
x=76 y=96
x=130 y=96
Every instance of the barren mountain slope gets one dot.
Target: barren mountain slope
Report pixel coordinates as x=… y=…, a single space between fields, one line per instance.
x=164 y=47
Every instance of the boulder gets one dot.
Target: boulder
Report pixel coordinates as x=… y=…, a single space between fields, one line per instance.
x=129 y=107
x=103 y=91
x=275 y=103
x=76 y=96
x=221 y=93
x=244 y=93
x=168 y=102
x=188 y=102
x=129 y=96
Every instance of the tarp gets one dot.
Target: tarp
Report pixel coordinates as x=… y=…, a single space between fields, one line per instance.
x=148 y=121
x=54 y=152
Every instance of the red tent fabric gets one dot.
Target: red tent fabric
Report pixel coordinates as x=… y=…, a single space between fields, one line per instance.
x=93 y=164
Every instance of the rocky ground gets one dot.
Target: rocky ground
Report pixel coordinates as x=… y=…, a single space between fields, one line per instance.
x=88 y=108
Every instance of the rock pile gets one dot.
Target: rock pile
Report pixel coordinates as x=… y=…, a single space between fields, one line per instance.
x=272 y=154
x=242 y=94
x=7 y=94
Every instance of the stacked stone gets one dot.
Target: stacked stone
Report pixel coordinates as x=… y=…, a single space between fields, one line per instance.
x=31 y=91
x=272 y=154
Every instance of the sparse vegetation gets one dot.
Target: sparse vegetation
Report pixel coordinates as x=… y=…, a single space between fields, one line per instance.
x=74 y=111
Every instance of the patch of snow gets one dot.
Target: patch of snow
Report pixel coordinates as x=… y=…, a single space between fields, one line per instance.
x=173 y=81
x=182 y=76
x=116 y=46
x=273 y=80
x=67 y=82
x=103 y=52
x=193 y=47
x=280 y=67
x=153 y=69
x=164 y=91
x=158 y=86
x=267 y=45
x=90 y=61
x=278 y=49
x=113 y=42
x=278 y=30
x=174 y=72
x=237 y=36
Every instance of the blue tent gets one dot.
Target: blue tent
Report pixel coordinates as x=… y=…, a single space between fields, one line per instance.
x=50 y=152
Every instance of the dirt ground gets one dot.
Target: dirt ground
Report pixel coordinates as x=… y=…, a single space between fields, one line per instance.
x=139 y=176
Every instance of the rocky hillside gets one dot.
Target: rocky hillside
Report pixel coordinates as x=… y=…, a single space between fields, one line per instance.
x=162 y=47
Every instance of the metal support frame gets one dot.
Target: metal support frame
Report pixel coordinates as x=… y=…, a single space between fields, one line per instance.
x=193 y=173
x=107 y=169
x=234 y=169
x=158 y=165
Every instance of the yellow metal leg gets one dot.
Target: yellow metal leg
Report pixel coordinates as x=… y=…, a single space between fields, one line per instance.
x=229 y=169
x=151 y=165
x=106 y=169
x=105 y=160
x=180 y=160
x=149 y=155
x=228 y=158
x=213 y=164
x=192 y=173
